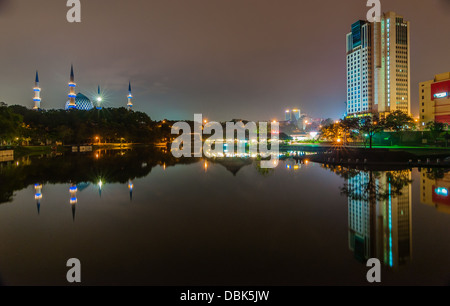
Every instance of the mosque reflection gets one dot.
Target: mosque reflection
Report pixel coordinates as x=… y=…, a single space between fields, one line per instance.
x=379 y=201
x=80 y=171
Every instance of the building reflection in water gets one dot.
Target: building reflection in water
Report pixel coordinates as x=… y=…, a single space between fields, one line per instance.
x=73 y=199
x=38 y=196
x=131 y=187
x=379 y=216
x=100 y=185
x=434 y=189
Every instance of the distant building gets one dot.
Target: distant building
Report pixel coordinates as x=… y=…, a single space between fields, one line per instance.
x=293 y=115
x=378 y=66
x=287 y=116
x=435 y=99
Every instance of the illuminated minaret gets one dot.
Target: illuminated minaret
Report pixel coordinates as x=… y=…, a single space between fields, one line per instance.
x=130 y=97
x=38 y=196
x=72 y=86
x=37 y=93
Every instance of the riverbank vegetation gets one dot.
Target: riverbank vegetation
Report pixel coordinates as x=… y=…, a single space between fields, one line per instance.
x=22 y=126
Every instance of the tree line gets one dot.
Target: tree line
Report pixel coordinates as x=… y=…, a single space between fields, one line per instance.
x=365 y=128
x=20 y=125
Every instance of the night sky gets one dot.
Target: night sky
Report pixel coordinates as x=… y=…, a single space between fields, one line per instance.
x=248 y=59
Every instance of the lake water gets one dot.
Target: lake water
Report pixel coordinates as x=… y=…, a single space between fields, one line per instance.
x=143 y=218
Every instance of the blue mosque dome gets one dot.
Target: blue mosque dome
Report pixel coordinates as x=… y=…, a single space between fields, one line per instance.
x=82 y=103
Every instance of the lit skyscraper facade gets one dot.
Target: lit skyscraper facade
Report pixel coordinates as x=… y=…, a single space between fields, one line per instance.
x=378 y=66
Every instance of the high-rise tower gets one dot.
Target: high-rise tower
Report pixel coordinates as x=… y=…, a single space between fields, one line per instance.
x=37 y=93
x=130 y=97
x=378 y=66
x=72 y=86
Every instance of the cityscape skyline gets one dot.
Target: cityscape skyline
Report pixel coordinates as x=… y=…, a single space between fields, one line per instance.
x=222 y=66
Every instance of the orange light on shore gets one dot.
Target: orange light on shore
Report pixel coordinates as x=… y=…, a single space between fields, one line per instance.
x=339 y=140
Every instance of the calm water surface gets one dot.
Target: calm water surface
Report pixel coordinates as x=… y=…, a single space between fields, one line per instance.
x=143 y=218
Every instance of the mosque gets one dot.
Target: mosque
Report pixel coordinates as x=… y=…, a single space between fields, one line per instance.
x=76 y=101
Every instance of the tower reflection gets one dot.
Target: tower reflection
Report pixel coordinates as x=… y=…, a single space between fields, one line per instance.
x=73 y=199
x=379 y=216
x=131 y=187
x=38 y=196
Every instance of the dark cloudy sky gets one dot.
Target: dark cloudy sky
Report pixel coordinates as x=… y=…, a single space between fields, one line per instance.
x=224 y=58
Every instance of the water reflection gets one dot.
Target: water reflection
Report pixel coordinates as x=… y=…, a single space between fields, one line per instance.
x=81 y=170
x=38 y=196
x=434 y=189
x=375 y=214
x=379 y=214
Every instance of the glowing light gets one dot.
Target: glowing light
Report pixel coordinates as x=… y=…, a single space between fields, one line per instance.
x=306 y=162
x=100 y=184
x=441 y=191
x=441 y=95
x=73 y=201
x=339 y=140
x=99 y=99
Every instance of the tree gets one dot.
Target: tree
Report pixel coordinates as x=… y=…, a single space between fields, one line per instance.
x=348 y=127
x=331 y=132
x=436 y=128
x=399 y=121
x=10 y=124
x=371 y=126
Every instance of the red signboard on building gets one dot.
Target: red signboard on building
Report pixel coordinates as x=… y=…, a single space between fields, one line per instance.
x=440 y=90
